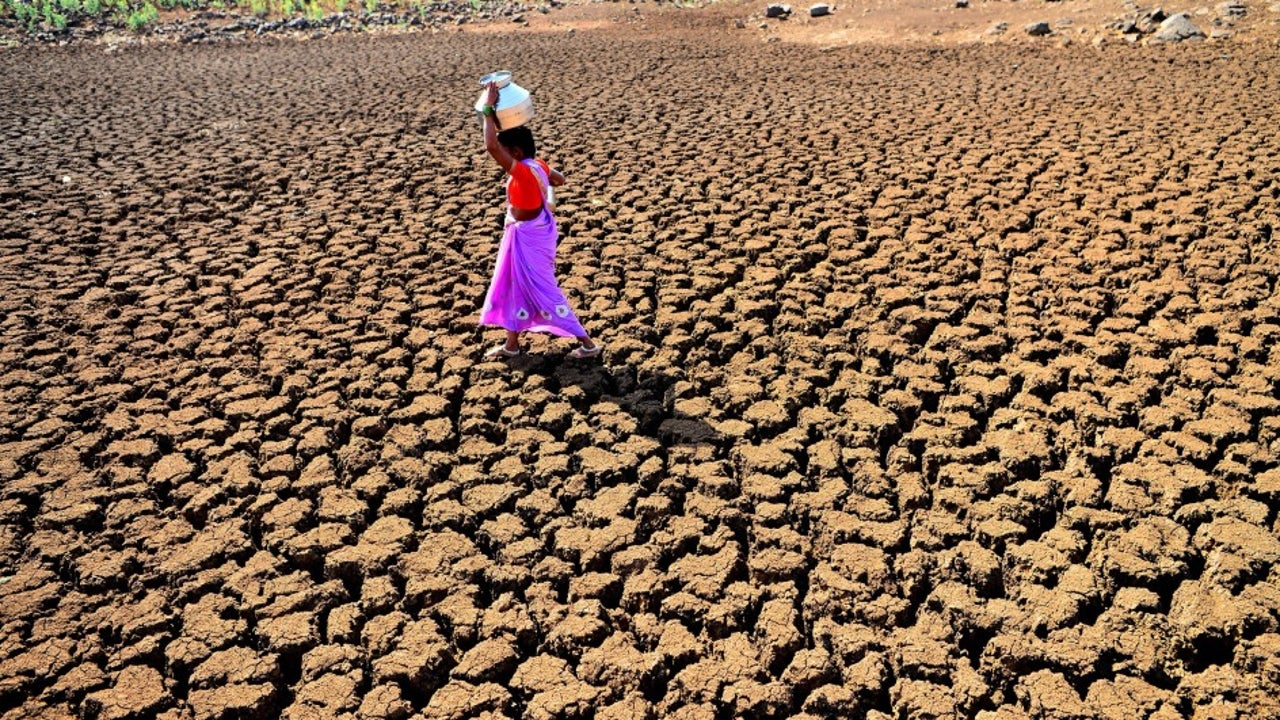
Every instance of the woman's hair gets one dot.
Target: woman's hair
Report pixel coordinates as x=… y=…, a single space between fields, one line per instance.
x=519 y=137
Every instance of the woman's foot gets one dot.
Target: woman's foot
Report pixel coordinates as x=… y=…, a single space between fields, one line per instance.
x=582 y=352
x=501 y=351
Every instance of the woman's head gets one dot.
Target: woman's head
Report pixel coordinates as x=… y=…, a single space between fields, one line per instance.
x=519 y=139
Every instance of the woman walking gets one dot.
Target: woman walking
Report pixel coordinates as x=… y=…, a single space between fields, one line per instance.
x=524 y=295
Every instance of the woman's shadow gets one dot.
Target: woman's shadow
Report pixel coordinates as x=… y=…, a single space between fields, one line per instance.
x=647 y=396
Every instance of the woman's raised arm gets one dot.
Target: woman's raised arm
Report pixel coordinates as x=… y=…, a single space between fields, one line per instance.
x=491 y=143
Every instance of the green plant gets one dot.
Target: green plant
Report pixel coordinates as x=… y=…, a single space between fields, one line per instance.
x=54 y=19
x=341 y=6
x=258 y=7
x=143 y=17
x=314 y=11
x=92 y=7
x=26 y=14
x=370 y=6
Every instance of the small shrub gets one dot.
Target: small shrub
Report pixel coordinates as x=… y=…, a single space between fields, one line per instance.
x=370 y=6
x=143 y=17
x=26 y=14
x=53 y=18
x=314 y=11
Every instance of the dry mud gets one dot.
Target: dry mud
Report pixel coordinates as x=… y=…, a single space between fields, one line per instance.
x=940 y=383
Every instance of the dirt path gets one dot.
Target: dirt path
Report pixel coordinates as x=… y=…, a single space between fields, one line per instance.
x=940 y=382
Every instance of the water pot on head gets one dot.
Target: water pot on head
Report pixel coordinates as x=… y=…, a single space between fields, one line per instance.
x=514 y=107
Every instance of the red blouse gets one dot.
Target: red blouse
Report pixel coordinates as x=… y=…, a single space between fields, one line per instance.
x=523 y=190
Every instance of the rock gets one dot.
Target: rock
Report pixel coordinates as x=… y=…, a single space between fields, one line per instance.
x=1178 y=28
x=1038 y=29
x=777 y=11
x=1232 y=8
x=998 y=29
x=962 y=4
x=819 y=10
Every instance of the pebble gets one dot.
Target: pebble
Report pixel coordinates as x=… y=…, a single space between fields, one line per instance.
x=819 y=10
x=775 y=11
x=998 y=29
x=1038 y=29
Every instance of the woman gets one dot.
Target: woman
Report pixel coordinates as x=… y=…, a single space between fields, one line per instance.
x=524 y=295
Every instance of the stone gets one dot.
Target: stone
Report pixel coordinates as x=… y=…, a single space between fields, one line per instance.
x=1038 y=29
x=1177 y=28
x=819 y=10
x=777 y=11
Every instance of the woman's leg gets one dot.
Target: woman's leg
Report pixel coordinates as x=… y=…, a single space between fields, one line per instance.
x=588 y=349
x=510 y=348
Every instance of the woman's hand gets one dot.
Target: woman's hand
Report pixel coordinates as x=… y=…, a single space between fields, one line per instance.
x=491 y=96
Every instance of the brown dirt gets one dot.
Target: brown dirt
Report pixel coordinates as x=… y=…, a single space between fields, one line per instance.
x=940 y=381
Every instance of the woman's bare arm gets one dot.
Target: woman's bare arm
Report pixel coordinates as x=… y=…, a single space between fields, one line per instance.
x=491 y=143
x=556 y=178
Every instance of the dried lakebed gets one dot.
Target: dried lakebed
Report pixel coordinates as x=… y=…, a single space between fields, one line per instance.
x=939 y=383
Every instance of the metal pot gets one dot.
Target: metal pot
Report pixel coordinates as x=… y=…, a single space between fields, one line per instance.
x=515 y=105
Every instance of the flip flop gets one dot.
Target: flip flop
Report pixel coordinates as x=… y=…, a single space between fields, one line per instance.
x=500 y=351
x=582 y=353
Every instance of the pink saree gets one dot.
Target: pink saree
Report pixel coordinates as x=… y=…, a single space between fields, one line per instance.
x=524 y=295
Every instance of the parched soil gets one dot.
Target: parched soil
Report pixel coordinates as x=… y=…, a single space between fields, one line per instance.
x=940 y=382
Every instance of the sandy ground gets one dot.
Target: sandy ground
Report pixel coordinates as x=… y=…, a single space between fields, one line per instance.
x=941 y=378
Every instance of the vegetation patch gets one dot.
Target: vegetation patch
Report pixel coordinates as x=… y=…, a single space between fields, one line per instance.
x=48 y=19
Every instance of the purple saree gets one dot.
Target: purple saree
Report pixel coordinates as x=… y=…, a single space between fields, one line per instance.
x=524 y=295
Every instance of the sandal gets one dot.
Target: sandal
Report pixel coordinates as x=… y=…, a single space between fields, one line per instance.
x=582 y=353
x=501 y=351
